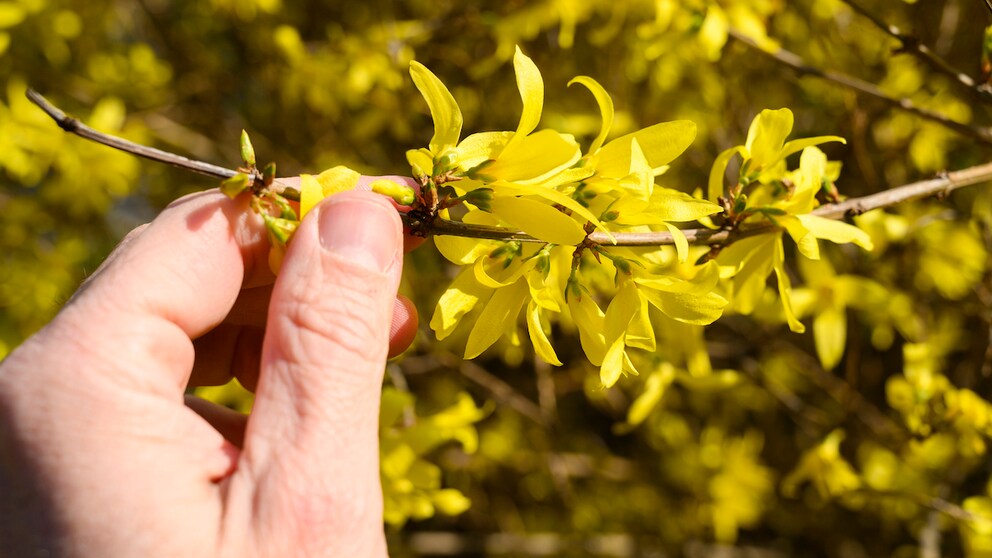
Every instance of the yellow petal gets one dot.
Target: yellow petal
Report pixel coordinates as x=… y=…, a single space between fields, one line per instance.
x=500 y=313
x=605 y=109
x=797 y=145
x=589 y=319
x=704 y=280
x=785 y=288
x=651 y=394
x=718 y=172
x=830 y=335
x=539 y=220
x=479 y=148
x=812 y=168
x=690 y=308
x=640 y=181
x=552 y=195
x=535 y=158
x=462 y=295
x=421 y=161
x=804 y=241
x=660 y=143
x=540 y=291
x=310 y=194
x=464 y=251
x=672 y=205
x=681 y=243
x=766 y=137
x=750 y=260
x=835 y=231
x=618 y=316
x=531 y=87
x=640 y=332
x=507 y=276
x=538 y=337
x=337 y=179
x=444 y=110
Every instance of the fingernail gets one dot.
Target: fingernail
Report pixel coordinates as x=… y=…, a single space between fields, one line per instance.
x=361 y=229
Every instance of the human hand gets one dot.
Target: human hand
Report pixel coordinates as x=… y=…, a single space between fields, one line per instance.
x=99 y=456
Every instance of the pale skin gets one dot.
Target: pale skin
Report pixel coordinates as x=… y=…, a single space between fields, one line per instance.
x=102 y=455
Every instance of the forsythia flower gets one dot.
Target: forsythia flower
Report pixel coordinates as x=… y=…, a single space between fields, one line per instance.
x=540 y=183
x=784 y=198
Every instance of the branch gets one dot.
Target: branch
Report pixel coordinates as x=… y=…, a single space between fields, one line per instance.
x=75 y=126
x=794 y=61
x=939 y=186
x=933 y=503
x=912 y=45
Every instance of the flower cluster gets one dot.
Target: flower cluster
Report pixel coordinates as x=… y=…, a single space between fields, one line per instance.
x=577 y=210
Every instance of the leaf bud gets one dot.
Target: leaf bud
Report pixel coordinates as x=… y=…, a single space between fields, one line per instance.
x=573 y=287
x=269 y=173
x=247 y=151
x=480 y=198
x=234 y=185
x=622 y=265
x=740 y=204
x=611 y=215
x=476 y=173
x=280 y=230
x=445 y=162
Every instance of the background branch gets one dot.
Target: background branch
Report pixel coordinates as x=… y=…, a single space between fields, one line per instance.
x=794 y=61
x=912 y=45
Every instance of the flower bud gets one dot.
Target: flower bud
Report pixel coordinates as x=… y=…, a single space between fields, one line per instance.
x=400 y=193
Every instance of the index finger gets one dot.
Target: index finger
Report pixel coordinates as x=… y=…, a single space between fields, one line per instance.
x=172 y=283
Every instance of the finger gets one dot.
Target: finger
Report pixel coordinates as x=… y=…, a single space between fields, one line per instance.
x=410 y=242
x=234 y=350
x=317 y=404
x=230 y=423
x=403 y=328
x=226 y=352
x=173 y=282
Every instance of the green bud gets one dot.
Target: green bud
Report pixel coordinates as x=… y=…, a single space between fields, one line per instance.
x=400 y=193
x=247 y=151
x=445 y=162
x=476 y=172
x=269 y=173
x=234 y=185
x=286 y=211
x=573 y=287
x=611 y=215
x=740 y=204
x=622 y=265
x=280 y=230
x=480 y=198
x=543 y=264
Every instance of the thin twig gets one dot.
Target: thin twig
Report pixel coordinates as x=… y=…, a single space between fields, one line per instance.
x=912 y=45
x=941 y=185
x=75 y=126
x=933 y=503
x=794 y=61
x=499 y=389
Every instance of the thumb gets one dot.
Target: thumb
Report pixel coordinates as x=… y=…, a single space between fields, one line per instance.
x=311 y=454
